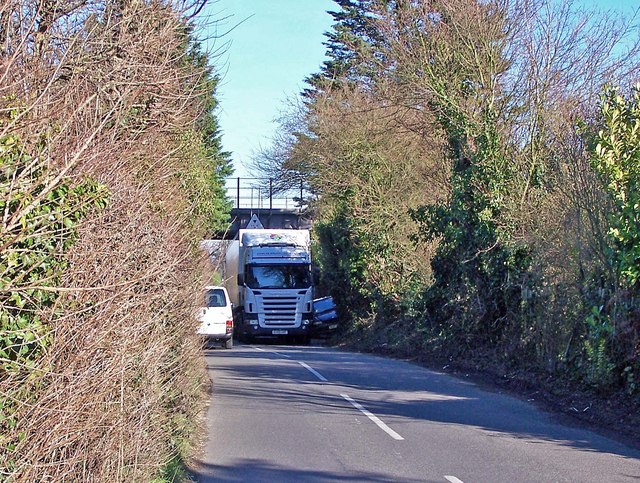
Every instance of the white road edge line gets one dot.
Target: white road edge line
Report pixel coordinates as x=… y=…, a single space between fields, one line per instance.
x=313 y=371
x=272 y=352
x=453 y=479
x=373 y=418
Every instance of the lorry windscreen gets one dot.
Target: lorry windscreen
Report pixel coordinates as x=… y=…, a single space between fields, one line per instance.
x=278 y=276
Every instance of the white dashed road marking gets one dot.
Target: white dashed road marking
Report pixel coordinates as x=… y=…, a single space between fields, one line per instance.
x=313 y=371
x=356 y=405
x=272 y=352
x=373 y=418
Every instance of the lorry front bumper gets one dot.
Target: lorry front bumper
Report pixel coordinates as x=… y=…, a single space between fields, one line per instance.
x=257 y=331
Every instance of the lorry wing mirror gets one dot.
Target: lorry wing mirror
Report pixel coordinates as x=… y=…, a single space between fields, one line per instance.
x=241 y=279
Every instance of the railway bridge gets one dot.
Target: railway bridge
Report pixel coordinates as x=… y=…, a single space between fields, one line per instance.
x=256 y=200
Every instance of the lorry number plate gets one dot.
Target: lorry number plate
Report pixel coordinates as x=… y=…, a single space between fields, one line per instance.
x=279 y=332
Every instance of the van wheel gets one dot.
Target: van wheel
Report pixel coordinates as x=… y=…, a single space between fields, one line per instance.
x=228 y=344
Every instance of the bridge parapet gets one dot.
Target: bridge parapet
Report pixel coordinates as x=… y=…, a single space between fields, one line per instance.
x=262 y=193
x=274 y=208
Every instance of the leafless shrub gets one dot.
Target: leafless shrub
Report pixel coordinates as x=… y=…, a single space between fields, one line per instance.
x=104 y=90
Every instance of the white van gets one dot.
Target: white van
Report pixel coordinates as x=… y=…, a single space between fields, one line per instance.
x=217 y=316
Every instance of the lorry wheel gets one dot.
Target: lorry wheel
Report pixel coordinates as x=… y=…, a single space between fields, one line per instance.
x=228 y=344
x=300 y=340
x=245 y=338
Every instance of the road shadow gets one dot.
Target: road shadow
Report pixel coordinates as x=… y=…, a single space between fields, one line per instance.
x=392 y=390
x=255 y=470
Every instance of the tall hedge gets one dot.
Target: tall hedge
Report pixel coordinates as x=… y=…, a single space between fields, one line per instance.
x=111 y=171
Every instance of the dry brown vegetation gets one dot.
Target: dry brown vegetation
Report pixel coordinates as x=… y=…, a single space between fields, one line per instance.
x=106 y=162
x=469 y=127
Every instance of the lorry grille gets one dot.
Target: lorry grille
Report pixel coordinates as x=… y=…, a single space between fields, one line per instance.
x=280 y=311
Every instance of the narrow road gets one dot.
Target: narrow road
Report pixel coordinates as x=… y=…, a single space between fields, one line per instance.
x=312 y=414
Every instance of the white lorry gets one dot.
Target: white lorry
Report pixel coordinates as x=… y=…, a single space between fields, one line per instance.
x=269 y=279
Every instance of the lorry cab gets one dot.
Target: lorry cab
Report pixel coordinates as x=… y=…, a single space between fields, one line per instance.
x=274 y=283
x=216 y=317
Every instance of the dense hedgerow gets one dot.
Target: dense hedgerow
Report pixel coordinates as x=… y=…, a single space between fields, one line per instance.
x=110 y=173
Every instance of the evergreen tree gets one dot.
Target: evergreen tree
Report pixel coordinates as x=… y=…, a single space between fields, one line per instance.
x=215 y=163
x=352 y=34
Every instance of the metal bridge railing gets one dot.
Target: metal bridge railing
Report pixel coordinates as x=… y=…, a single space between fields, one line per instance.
x=259 y=194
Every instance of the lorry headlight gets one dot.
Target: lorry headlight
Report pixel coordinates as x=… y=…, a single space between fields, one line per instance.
x=251 y=318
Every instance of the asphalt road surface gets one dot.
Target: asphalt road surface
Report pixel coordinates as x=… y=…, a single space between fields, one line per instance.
x=312 y=414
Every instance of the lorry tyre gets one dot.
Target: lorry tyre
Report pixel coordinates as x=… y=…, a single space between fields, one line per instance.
x=300 y=339
x=244 y=337
x=228 y=344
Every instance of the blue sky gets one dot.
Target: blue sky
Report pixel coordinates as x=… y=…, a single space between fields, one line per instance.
x=272 y=46
x=268 y=55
